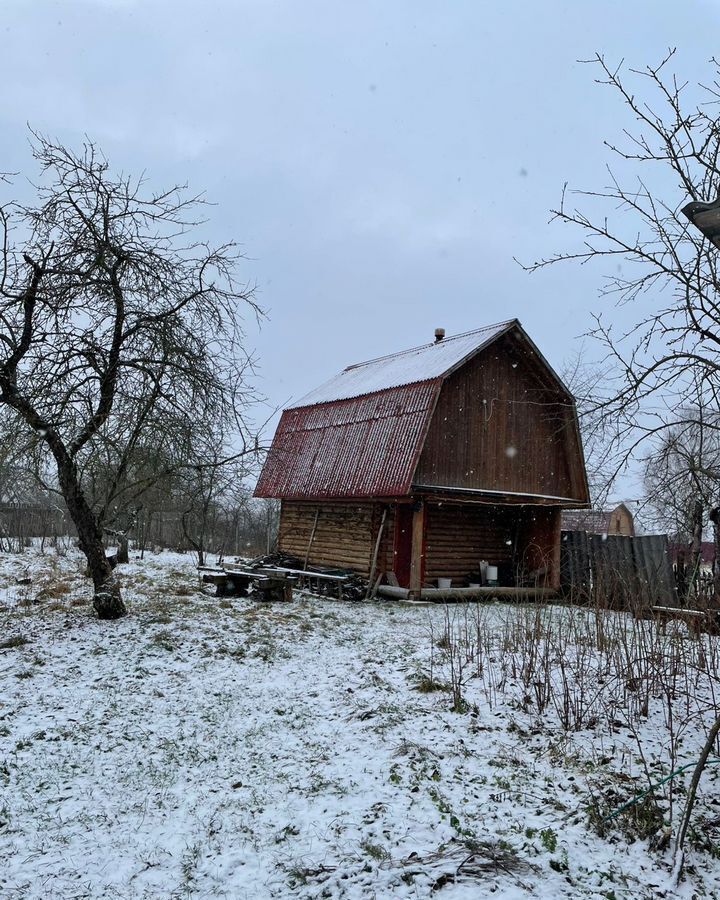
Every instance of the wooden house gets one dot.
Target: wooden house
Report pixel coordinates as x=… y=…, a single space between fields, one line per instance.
x=600 y=521
x=426 y=467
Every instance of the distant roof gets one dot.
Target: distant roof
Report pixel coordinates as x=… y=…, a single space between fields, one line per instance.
x=425 y=363
x=594 y=521
x=707 y=552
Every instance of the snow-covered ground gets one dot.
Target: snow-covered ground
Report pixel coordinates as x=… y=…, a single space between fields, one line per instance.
x=223 y=748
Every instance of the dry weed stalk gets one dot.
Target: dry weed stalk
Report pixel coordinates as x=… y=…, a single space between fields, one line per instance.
x=589 y=667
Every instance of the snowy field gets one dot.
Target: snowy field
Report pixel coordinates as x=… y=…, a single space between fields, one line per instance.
x=220 y=748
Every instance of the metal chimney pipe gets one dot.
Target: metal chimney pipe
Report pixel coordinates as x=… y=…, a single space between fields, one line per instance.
x=439 y=334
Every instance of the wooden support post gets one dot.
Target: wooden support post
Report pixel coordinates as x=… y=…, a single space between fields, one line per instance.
x=312 y=538
x=375 y=553
x=715 y=519
x=418 y=547
x=554 y=581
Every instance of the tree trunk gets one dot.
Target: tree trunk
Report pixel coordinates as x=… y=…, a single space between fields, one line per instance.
x=696 y=546
x=715 y=519
x=123 y=555
x=108 y=602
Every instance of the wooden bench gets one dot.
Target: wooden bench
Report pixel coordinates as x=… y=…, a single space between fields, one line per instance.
x=236 y=580
x=697 y=620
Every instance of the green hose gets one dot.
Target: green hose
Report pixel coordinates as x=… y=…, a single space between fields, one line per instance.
x=638 y=797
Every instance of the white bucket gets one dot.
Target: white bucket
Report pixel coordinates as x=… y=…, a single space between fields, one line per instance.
x=491 y=575
x=444 y=583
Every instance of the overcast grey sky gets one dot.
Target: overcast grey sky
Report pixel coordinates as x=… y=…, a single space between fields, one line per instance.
x=380 y=162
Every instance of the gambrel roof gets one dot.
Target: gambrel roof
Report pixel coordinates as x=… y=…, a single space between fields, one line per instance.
x=425 y=363
x=360 y=447
x=361 y=434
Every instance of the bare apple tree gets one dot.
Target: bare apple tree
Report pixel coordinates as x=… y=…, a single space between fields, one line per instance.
x=655 y=262
x=118 y=331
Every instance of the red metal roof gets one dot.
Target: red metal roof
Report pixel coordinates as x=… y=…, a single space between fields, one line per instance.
x=361 y=447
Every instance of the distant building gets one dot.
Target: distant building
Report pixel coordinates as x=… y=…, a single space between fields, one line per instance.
x=599 y=521
x=423 y=465
x=681 y=552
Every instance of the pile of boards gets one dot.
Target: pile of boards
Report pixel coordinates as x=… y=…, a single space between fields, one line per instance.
x=273 y=578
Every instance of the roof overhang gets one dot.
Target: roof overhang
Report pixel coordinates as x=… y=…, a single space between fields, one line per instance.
x=477 y=495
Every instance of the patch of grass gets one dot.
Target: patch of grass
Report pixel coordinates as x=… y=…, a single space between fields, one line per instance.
x=548 y=839
x=428 y=685
x=165 y=640
x=17 y=640
x=161 y=617
x=374 y=850
x=79 y=601
x=56 y=590
x=56 y=606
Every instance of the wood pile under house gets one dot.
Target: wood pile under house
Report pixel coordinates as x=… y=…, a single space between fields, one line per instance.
x=438 y=472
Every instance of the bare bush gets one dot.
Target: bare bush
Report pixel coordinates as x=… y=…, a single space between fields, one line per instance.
x=579 y=669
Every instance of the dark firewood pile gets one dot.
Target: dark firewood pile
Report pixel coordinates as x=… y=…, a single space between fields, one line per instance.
x=355 y=588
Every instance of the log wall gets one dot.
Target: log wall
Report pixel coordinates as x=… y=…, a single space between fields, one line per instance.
x=517 y=539
x=344 y=536
x=457 y=536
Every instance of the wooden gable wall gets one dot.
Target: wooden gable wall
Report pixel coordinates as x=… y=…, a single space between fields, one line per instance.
x=503 y=423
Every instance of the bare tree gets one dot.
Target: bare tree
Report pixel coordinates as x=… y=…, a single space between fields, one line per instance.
x=655 y=261
x=682 y=468
x=205 y=495
x=116 y=329
x=585 y=380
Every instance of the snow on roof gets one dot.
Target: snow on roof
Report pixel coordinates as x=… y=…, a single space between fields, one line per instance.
x=407 y=367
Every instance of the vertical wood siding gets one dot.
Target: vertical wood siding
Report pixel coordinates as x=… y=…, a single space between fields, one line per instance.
x=501 y=424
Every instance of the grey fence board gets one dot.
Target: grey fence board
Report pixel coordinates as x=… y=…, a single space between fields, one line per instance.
x=618 y=571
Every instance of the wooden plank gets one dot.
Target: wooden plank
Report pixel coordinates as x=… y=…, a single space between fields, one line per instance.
x=373 y=564
x=306 y=573
x=215 y=578
x=312 y=537
x=416 y=560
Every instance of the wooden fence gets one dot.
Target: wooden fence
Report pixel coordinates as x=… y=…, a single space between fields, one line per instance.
x=617 y=571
